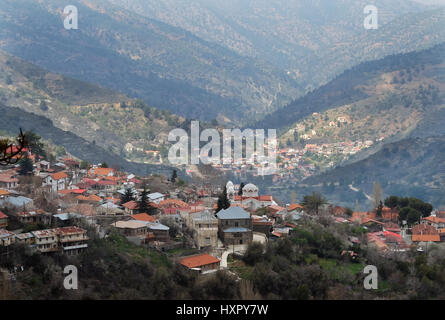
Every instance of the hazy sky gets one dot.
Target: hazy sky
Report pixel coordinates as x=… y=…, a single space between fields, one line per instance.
x=431 y=1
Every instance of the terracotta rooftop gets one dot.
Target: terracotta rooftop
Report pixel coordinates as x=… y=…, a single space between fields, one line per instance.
x=59 y=175
x=199 y=261
x=143 y=217
x=131 y=205
x=425 y=238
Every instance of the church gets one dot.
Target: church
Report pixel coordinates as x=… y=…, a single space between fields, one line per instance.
x=250 y=198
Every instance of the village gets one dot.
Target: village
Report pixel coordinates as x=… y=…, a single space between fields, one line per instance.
x=50 y=208
x=294 y=164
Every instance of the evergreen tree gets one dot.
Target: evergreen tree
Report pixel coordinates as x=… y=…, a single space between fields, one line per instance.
x=35 y=145
x=223 y=201
x=240 y=190
x=379 y=209
x=127 y=196
x=174 y=176
x=143 y=202
x=26 y=166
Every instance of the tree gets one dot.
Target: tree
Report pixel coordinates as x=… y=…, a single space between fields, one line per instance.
x=240 y=190
x=379 y=209
x=377 y=195
x=174 y=176
x=35 y=145
x=223 y=201
x=392 y=202
x=127 y=196
x=104 y=165
x=26 y=166
x=254 y=253
x=313 y=202
x=10 y=152
x=143 y=202
x=410 y=215
x=423 y=207
x=349 y=212
x=84 y=164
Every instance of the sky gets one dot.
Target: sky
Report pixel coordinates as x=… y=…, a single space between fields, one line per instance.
x=441 y=2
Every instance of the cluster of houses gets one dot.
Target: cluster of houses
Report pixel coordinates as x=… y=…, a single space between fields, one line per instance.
x=95 y=196
x=385 y=232
x=67 y=240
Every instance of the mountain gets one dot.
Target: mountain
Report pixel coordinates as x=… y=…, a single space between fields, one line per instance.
x=312 y=40
x=410 y=167
x=375 y=99
x=392 y=112
x=13 y=119
x=166 y=66
x=96 y=114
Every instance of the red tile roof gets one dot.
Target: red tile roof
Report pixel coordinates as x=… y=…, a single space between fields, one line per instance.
x=143 y=217
x=423 y=229
x=59 y=175
x=433 y=219
x=173 y=203
x=199 y=261
x=3 y=216
x=131 y=205
x=425 y=238
x=101 y=171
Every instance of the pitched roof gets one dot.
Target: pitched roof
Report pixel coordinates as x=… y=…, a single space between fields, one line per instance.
x=155 y=195
x=233 y=213
x=59 y=175
x=173 y=203
x=101 y=171
x=434 y=219
x=131 y=205
x=425 y=238
x=3 y=216
x=199 y=261
x=423 y=229
x=92 y=198
x=157 y=226
x=294 y=206
x=143 y=217
x=8 y=178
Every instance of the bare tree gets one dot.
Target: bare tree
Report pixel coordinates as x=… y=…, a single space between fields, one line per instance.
x=377 y=195
x=10 y=152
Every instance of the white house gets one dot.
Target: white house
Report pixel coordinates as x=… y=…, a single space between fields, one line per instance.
x=156 y=197
x=56 y=181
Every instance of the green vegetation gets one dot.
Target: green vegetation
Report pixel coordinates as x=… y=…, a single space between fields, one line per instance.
x=410 y=209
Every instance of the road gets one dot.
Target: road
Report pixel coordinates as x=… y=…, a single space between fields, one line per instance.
x=241 y=248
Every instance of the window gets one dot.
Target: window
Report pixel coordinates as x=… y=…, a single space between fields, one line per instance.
x=208 y=241
x=236 y=224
